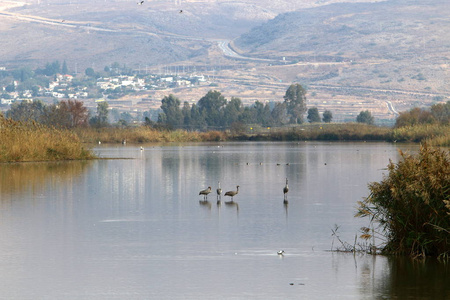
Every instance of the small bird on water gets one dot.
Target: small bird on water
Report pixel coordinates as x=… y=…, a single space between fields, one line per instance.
x=285 y=191
x=205 y=193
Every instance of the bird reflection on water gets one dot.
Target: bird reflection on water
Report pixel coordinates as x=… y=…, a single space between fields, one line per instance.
x=205 y=203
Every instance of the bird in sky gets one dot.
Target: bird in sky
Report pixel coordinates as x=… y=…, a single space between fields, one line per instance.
x=140 y=2
x=181 y=11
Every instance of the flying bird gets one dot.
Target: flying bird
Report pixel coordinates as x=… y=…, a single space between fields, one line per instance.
x=285 y=191
x=181 y=11
x=140 y=2
x=232 y=193
x=205 y=193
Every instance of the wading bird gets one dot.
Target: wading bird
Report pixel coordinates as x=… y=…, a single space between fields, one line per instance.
x=285 y=191
x=232 y=193
x=205 y=193
x=219 y=193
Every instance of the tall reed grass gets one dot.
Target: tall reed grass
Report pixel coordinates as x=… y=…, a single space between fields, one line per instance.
x=139 y=135
x=34 y=142
x=433 y=134
x=412 y=205
x=324 y=132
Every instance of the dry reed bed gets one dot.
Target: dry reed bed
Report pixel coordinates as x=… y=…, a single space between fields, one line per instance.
x=143 y=134
x=35 y=142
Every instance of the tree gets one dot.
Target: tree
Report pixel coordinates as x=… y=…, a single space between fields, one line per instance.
x=441 y=112
x=413 y=117
x=365 y=117
x=313 y=115
x=51 y=68
x=197 y=118
x=279 y=114
x=170 y=105
x=26 y=111
x=186 y=112
x=232 y=111
x=327 y=116
x=78 y=113
x=295 y=101
x=102 y=114
x=211 y=106
x=64 y=69
x=89 y=72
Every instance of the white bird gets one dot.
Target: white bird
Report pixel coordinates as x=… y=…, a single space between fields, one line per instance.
x=142 y=148
x=232 y=193
x=205 y=192
x=281 y=252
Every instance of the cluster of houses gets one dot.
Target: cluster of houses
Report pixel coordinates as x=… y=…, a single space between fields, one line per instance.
x=62 y=87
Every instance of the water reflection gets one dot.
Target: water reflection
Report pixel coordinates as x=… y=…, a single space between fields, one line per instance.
x=137 y=228
x=421 y=279
x=23 y=178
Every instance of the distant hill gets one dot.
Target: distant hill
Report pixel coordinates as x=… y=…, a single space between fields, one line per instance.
x=396 y=43
x=391 y=29
x=86 y=33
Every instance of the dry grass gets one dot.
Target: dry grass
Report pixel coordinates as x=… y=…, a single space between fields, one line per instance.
x=139 y=135
x=34 y=142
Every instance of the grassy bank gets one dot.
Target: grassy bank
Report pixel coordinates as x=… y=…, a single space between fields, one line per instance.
x=433 y=134
x=319 y=132
x=437 y=135
x=34 y=142
x=138 y=135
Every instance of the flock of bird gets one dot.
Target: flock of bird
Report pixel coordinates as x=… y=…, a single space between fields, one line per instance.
x=231 y=194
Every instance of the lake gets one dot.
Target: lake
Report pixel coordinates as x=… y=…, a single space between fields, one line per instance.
x=133 y=225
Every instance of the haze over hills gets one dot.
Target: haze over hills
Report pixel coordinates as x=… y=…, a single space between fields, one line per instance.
x=351 y=56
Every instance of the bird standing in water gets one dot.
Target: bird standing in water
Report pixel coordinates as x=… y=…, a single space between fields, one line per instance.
x=232 y=193
x=285 y=191
x=219 y=193
x=205 y=193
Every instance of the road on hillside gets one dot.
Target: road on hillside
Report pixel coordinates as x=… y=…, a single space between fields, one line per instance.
x=223 y=44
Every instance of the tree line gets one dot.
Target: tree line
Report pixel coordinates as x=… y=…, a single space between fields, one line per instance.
x=214 y=111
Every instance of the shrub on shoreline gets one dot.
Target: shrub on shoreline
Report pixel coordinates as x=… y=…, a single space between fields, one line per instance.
x=412 y=205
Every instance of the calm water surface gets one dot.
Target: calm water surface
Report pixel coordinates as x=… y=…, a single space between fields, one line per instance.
x=136 y=228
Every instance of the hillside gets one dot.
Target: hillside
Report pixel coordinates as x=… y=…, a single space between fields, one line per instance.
x=393 y=44
x=382 y=56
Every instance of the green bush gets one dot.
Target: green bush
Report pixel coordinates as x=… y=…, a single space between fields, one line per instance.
x=411 y=205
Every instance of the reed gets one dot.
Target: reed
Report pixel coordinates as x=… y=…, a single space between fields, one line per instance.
x=436 y=134
x=411 y=204
x=34 y=142
x=138 y=135
x=322 y=132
